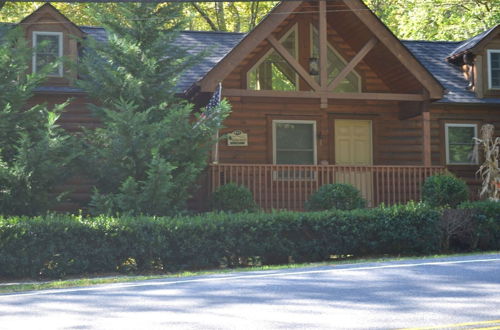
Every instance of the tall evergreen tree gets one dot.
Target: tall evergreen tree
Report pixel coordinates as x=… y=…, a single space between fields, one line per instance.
x=148 y=153
x=35 y=154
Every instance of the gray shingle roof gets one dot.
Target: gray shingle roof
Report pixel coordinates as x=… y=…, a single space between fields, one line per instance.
x=217 y=45
x=432 y=55
x=471 y=43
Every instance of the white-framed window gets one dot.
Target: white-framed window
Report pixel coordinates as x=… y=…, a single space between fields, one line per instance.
x=494 y=68
x=336 y=63
x=294 y=142
x=48 y=47
x=460 y=144
x=272 y=71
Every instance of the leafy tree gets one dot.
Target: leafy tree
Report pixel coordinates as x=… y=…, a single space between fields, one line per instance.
x=408 y=19
x=228 y=16
x=35 y=154
x=14 y=12
x=148 y=154
x=437 y=19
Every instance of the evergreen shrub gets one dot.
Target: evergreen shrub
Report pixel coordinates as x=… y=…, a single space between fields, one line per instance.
x=148 y=154
x=233 y=198
x=335 y=196
x=444 y=191
x=36 y=155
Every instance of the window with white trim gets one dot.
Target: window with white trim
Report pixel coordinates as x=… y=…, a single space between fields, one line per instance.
x=336 y=63
x=272 y=71
x=494 y=68
x=460 y=144
x=48 y=48
x=294 y=142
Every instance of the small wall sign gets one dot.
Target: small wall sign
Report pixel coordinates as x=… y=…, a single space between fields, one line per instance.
x=237 y=139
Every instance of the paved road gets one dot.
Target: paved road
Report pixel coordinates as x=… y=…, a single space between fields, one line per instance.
x=405 y=294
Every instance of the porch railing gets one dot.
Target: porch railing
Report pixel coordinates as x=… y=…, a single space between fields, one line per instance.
x=289 y=186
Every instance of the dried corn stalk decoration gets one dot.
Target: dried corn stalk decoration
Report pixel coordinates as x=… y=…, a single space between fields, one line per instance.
x=489 y=170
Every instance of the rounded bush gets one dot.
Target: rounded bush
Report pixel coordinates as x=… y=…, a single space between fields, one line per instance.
x=335 y=196
x=444 y=190
x=233 y=198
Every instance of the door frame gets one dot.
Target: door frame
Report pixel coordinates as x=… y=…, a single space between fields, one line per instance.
x=332 y=116
x=333 y=132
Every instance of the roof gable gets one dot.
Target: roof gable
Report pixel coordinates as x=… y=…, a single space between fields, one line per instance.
x=287 y=8
x=475 y=43
x=247 y=44
x=47 y=12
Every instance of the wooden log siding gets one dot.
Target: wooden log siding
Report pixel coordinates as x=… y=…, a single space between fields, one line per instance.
x=289 y=186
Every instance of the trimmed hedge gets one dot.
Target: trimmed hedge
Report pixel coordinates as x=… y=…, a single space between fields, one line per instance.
x=60 y=245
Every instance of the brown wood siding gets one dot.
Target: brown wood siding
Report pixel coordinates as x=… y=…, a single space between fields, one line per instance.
x=396 y=142
x=75 y=116
x=473 y=114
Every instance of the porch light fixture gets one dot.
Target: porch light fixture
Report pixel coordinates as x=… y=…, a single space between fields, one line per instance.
x=313 y=66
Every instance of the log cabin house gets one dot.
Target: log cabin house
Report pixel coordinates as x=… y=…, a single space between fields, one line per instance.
x=321 y=92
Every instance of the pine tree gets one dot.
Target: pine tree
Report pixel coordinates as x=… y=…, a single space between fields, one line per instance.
x=148 y=154
x=35 y=154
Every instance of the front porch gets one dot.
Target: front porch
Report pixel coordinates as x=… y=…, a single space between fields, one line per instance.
x=289 y=186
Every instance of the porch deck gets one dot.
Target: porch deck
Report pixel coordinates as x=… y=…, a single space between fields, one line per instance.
x=289 y=186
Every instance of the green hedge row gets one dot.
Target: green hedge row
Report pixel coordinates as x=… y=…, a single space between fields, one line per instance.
x=62 y=245
x=485 y=223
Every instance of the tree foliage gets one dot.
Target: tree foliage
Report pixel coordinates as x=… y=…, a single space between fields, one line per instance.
x=148 y=154
x=437 y=19
x=227 y=16
x=408 y=19
x=35 y=154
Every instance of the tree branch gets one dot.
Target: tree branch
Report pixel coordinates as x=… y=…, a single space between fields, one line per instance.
x=205 y=16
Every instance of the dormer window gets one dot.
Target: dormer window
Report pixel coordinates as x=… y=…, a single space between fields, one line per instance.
x=494 y=68
x=48 y=48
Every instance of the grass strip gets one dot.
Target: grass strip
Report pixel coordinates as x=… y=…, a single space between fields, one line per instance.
x=91 y=281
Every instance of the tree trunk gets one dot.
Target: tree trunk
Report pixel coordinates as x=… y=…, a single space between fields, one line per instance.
x=236 y=17
x=254 y=9
x=221 y=17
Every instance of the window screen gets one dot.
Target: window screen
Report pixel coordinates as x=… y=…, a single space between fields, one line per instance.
x=460 y=143
x=294 y=143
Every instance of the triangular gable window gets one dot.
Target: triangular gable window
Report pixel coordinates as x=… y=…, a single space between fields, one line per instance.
x=273 y=72
x=352 y=83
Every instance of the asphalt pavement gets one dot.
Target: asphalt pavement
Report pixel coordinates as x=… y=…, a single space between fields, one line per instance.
x=446 y=293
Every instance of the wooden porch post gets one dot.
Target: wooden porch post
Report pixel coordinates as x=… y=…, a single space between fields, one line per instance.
x=323 y=52
x=426 y=134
